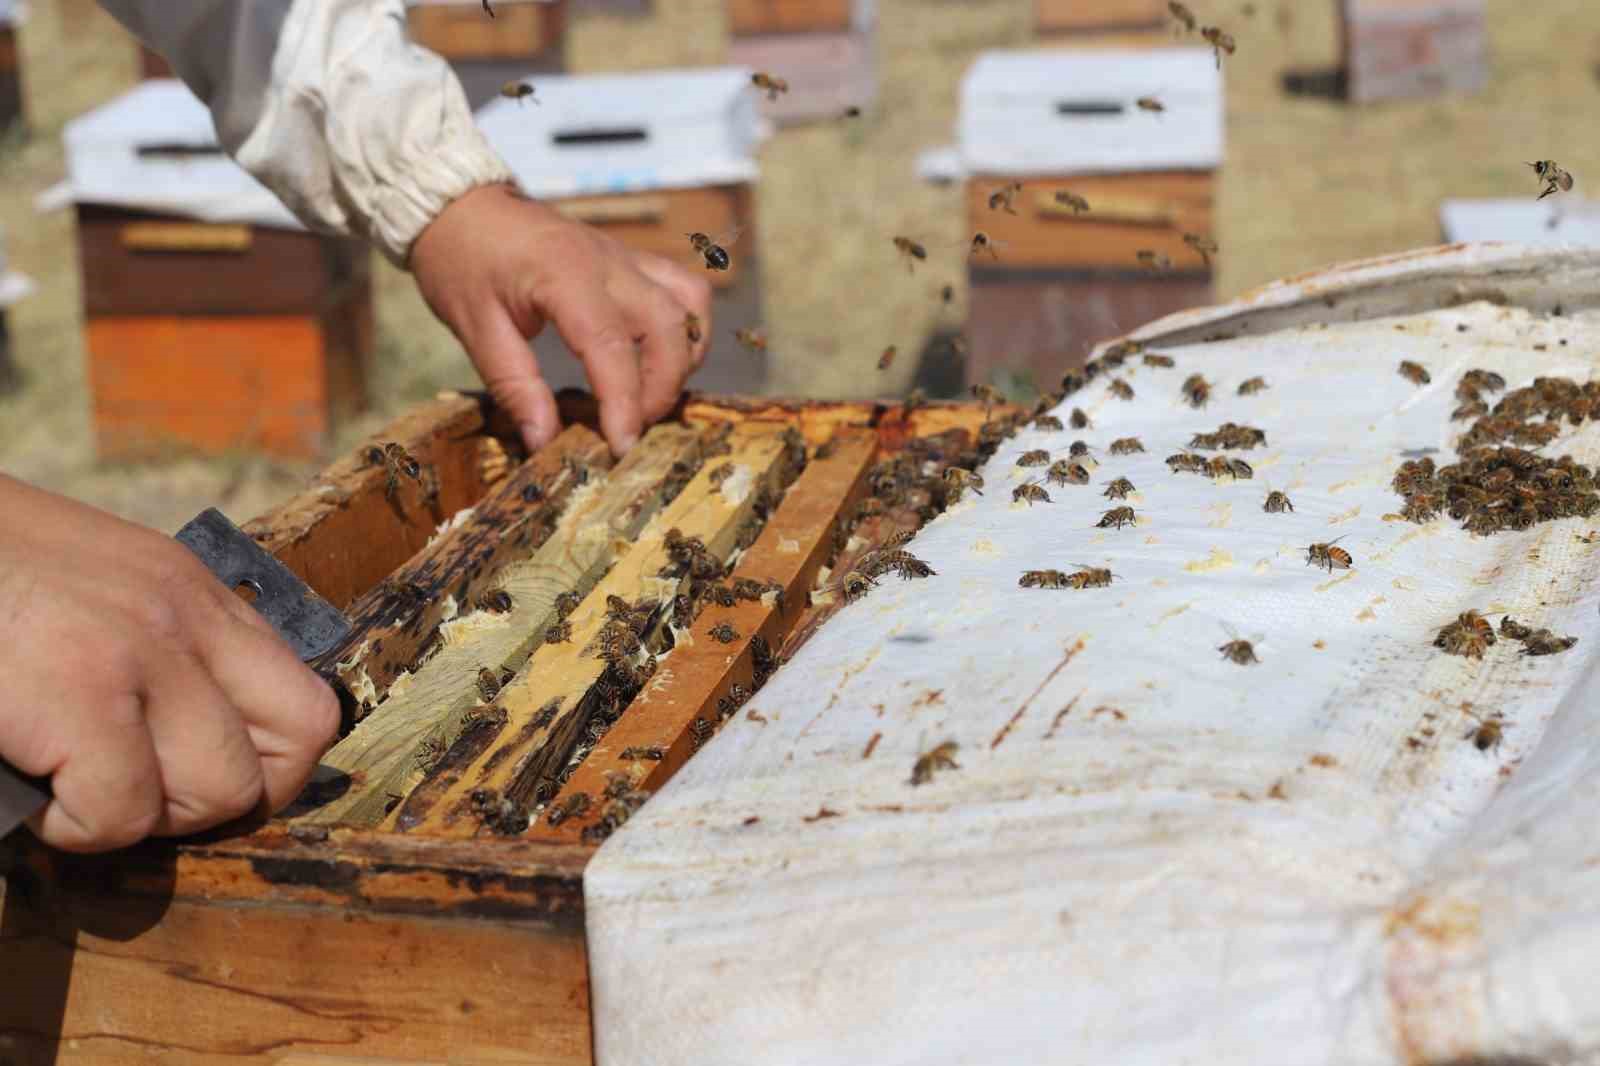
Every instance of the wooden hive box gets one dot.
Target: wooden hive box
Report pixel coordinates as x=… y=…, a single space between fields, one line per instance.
x=825 y=50
x=1410 y=48
x=1059 y=280
x=14 y=286
x=1082 y=22
x=11 y=109
x=524 y=37
x=153 y=65
x=207 y=307
x=404 y=910
x=649 y=158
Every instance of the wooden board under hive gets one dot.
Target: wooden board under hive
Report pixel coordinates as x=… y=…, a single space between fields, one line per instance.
x=528 y=631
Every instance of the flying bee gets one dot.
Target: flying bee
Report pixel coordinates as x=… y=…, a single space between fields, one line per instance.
x=1043 y=579
x=942 y=757
x=982 y=242
x=886 y=360
x=1182 y=15
x=947 y=295
x=1252 y=386
x=1126 y=446
x=987 y=395
x=1050 y=422
x=1035 y=457
x=1328 y=555
x=1220 y=42
x=1154 y=261
x=1196 y=390
x=1553 y=176
x=1066 y=472
x=1117 y=517
x=396 y=463
x=711 y=249
x=1090 y=577
x=518 y=91
x=1488 y=733
x=1277 y=503
x=912 y=250
x=1205 y=246
x=752 y=339
x=1078 y=419
x=1118 y=489
x=691 y=326
x=855 y=585
x=1120 y=389
x=1005 y=197
x=1544 y=642
x=1030 y=494
x=769 y=84
x=1238 y=650
x=961 y=479
x=1152 y=359
x=1415 y=373
x=1071 y=199
x=1150 y=103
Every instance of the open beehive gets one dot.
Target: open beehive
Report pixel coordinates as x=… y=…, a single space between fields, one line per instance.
x=422 y=901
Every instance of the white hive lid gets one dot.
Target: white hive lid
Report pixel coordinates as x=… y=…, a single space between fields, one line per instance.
x=601 y=133
x=146 y=150
x=1074 y=112
x=1554 y=222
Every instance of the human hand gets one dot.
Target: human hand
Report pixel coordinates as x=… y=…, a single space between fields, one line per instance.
x=155 y=700
x=495 y=265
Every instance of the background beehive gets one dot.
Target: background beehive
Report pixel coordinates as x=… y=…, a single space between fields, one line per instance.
x=1308 y=181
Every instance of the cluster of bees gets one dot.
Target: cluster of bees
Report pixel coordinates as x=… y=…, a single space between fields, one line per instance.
x=1471 y=635
x=1495 y=485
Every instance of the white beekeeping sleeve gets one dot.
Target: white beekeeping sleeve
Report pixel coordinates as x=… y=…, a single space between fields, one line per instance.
x=328 y=104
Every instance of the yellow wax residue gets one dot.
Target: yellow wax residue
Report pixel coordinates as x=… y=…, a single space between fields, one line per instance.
x=1345 y=516
x=1173 y=613
x=1217 y=560
x=985 y=546
x=1339 y=486
x=1221 y=515
x=1326 y=585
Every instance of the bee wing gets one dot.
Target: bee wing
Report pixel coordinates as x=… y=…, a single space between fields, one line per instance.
x=730 y=237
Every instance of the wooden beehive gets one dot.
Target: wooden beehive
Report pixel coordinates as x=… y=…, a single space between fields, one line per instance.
x=524 y=37
x=824 y=51
x=1090 y=21
x=400 y=911
x=153 y=64
x=213 y=320
x=14 y=286
x=1410 y=48
x=1059 y=280
x=10 y=68
x=649 y=158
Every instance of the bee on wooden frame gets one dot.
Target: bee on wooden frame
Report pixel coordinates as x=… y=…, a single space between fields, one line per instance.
x=1126 y=446
x=911 y=250
x=396 y=463
x=1117 y=517
x=1118 y=489
x=712 y=250
x=1005 y=197
x=1415 y=373
x=942 y=757
x=489 y=684
x=769 y=84
x=575 y=806
x=1329 y=555
x=653 y=754
x=558 y=632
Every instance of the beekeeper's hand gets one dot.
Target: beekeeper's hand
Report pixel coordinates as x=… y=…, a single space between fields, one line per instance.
x=155 y=700
x=495 y=266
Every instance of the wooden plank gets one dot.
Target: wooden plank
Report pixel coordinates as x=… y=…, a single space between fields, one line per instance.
x=895 y=423
x=396 y=620
x=185 y=237
x=793 y=547
x=155 y=964
x=1143 y=211
x=520 y=29
x=342 y=536
x=547 y=705
x=1054 y=16
x=426 y=710
x=788 y=16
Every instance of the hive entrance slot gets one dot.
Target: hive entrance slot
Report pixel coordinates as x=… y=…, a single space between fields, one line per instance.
x=1091 y=107
x=164 y=150
x=617 y=135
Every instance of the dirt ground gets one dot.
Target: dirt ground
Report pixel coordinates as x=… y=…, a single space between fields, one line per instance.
x=1307 y=181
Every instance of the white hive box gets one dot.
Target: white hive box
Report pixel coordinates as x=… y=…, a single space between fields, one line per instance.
x=1555 y=222
x=1150 y=855
x=649 y=158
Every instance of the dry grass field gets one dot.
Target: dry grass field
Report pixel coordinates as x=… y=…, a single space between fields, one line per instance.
x=1307 y=181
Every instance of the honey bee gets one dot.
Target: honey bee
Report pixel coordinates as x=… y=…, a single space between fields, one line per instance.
x=987 y=395
x=1182 y=15
x=1120 y=389
x=1078 y=449
x=700 y=731
x=1152 y=260
x=772 y=86
x=1066 y=472
x=1220 y=42
x=396 y=463
x=1252 y=386
x=1544 y=642
x=1415 y=373
x=1005 y=197
x=1219 y=466
x=912 y=250
x=1277 y=503
x=1469 y=635
x=1035 y=457
x=1239 y=651
x=961 y=479
x=1070 y=199
x=1050 y=422
x=517 y=90
x=1205 y=246
x=1030 y=494
x=1126 y=446
x=982 y=242
x=1488 y=733
x=488 y=684
x=1469 y=410
x=1090 y=577
x=752 y=339
x=1078 y=419
x=1240 y=470
x=1487 y=380
x=1150 y=103
x=1118 y=489
x=1152 y=359
x=1117 y=517
x=558 y=632
x=723 y=633
x=1514 y=630
x=1553 y=176
x=576 y=806
x=711 y=250
x=495 y=601
x=1186 y=462
x=887 y=358
x=855 y=585
x=654 y=754
x=1196 y=390
x=942 y=757
x=691 y=326
x=1328 y=555
x=1043 y=579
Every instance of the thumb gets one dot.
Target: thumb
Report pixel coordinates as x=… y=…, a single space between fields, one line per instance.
x=507 y=365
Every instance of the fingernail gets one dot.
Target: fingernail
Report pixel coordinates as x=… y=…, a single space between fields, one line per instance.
x=627 y=441
x=534 y=435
